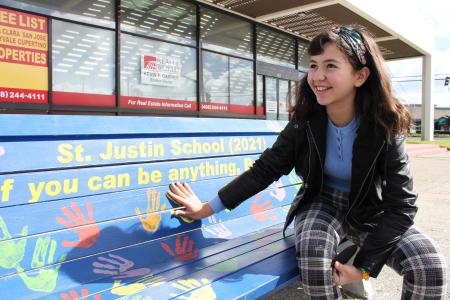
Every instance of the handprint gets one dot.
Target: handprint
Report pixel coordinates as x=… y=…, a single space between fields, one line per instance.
x=226 y=266
x=200 y=293
x=73 y=295
x=133 y=288
x=43 y=254
x=152 y=220
x=117 y=266
x=87 y=230
x=217 y=229
x=11 y=253
x=278 y=191
x=2 y=151
x=260 y=210
x=182 y=252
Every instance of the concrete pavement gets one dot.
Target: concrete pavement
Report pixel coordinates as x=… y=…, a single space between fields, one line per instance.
x=432 y=179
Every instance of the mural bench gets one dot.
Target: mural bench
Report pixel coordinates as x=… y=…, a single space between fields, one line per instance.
x=83 y=211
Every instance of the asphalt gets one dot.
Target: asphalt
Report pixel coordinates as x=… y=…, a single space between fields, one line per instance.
x=432 y=180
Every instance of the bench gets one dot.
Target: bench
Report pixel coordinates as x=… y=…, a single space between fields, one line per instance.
x=83 y=211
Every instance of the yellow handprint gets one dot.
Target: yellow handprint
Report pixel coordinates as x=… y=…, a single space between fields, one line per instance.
x=133 y=288
x=152 y=219
x=203 y=289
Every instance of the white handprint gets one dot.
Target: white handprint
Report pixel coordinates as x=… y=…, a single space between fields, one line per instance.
x=217 y=229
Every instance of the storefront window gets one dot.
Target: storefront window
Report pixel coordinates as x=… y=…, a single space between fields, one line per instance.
x=216 y=89
x=283 y=100
x=157 y=75
x=98 y=12
x=241 y=86
x=275 y=48
x=260 y=95
x=83 y=65
x=271 y=98
x=226 y=34
x=169 y=20
x=227 y=84
x=23 y=57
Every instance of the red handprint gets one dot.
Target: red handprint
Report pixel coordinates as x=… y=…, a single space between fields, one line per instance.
x=183 y=252
x=261 y=211
x=87 y=230
x=73 y=295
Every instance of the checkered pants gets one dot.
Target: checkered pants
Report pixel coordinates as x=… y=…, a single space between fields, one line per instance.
x=320 y=227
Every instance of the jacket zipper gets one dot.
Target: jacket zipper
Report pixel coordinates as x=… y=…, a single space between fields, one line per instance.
x=318 y=154
x=364 y=181
x=309 y=160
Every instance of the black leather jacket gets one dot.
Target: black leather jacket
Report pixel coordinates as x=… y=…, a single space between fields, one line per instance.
x=382 y=196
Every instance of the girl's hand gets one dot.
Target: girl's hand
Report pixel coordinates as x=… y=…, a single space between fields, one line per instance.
x=193 y=207
x=345 y=274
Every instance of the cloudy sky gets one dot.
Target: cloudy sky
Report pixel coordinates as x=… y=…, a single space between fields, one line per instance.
x=407 y=73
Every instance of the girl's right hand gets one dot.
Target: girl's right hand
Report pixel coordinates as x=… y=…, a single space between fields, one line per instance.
x=184 y=196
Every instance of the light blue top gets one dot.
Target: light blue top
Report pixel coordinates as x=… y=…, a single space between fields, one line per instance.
x=338 y=159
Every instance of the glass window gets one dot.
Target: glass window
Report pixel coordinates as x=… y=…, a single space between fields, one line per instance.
x=99 y=12
x=169 y=20
x=23 y=59
x=271 y=98
x=82 y=65
x=274 y=47
x=157 y=75
x=226 y=34
x=227 y=84
x=303 y=57
x=283 y=100
x=260 y=95
x=241 y=86
x=216 y=93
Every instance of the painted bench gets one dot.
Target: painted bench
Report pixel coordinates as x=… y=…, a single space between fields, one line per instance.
x=83 y=211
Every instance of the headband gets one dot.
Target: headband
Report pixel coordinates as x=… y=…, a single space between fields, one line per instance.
x=354 y=40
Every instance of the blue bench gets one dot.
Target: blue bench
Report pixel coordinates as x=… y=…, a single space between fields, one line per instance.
x=83 y=211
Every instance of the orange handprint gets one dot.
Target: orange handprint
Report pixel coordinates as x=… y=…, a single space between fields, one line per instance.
x=87 y=230
x=183 y=252
x=260 y=210
x=73 y=295
x=152 y=219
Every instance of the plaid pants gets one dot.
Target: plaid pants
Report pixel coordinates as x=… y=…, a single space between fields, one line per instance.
x=320 y=227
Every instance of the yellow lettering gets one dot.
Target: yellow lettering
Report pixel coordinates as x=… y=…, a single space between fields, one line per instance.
x=53 y=188
x=67 y=155
x=35 y=191
x=248 y=162
x=93 y=184
x=145 y=177
x=133 y=152
x=176 y=147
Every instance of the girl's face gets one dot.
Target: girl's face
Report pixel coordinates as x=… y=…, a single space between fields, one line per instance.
x=333 y=79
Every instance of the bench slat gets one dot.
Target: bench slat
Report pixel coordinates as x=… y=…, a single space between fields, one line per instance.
x=48 y=154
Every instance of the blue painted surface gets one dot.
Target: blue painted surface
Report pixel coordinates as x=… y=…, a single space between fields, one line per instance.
x=70 y=213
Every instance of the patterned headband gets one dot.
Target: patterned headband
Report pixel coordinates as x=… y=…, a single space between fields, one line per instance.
x=354 y=40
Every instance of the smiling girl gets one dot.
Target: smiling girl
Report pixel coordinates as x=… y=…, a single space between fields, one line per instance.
x=346 y=140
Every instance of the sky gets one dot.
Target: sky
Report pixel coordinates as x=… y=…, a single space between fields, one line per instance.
x=406 y=73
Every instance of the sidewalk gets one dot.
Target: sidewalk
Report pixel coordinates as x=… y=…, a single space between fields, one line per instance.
x=432 y=179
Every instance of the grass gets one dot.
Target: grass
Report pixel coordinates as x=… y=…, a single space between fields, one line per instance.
x=442 y=143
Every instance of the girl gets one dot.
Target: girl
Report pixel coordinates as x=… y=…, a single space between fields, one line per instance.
x=346 y=140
